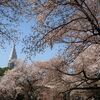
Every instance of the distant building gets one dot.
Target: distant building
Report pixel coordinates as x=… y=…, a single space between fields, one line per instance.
x=12 y=58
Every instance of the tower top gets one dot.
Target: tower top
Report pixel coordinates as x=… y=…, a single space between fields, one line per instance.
x=13 y=57
x=13 y=54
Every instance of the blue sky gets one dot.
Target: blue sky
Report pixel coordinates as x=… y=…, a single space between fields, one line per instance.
x=25 y=28
x=5 y=53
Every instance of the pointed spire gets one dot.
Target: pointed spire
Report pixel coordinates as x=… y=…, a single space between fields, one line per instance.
x=13 y=53
x=13 y=57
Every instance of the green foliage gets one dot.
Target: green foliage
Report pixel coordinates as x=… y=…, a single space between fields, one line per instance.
x=2 y=70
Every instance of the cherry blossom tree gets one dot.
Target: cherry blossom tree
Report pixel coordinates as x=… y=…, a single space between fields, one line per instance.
x=74 y=24
x=70 y=22
x=20 y=82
